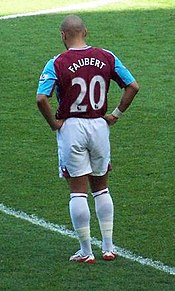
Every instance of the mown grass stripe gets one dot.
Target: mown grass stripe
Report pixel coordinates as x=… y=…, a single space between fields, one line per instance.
x=66 y=232
x=73 y=7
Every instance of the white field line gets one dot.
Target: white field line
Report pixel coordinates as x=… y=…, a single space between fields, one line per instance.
x=73 y=7
x=66 y=232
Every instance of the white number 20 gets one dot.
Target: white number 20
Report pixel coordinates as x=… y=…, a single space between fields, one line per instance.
x=76 y=106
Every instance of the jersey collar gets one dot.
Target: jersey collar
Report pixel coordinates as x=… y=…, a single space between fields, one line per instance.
x=80 y=48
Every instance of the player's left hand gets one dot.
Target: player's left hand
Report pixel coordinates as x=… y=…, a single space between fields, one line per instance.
x=110 y=119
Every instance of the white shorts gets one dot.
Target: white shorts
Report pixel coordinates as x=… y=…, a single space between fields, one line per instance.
x=83 y=147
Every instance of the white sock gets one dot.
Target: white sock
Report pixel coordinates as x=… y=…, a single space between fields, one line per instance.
x=80 y=216
x=105 y=212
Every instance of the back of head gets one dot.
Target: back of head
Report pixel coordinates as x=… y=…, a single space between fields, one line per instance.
x=73 y=26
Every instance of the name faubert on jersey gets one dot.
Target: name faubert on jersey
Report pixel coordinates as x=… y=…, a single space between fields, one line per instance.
x=86 y=62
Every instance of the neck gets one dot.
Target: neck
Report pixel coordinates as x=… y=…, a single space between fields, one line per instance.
x=76 y=45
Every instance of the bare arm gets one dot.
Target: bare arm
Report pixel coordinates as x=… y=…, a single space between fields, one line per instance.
x=46 y=111
x=128 y=95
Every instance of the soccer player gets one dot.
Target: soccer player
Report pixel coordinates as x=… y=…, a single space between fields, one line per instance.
x=81 y=77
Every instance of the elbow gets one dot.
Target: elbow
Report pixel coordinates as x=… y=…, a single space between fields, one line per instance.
x=40 y=99
x=135 y=87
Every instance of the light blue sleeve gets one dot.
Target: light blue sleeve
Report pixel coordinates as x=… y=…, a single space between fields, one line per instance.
x=47 y=79
x=124 y=74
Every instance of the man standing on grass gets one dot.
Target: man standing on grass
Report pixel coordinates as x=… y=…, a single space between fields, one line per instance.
x=81 y=77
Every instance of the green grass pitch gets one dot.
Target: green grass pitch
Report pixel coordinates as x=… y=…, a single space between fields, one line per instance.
x=143 y=151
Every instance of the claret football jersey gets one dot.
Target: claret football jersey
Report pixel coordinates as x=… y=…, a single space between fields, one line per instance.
x=81 y=79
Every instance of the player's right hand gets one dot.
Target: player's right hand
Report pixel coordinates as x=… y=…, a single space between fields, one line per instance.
x=57 y=124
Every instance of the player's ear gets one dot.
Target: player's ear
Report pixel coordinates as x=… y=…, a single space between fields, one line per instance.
x=85 y=32
x=63 y=35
